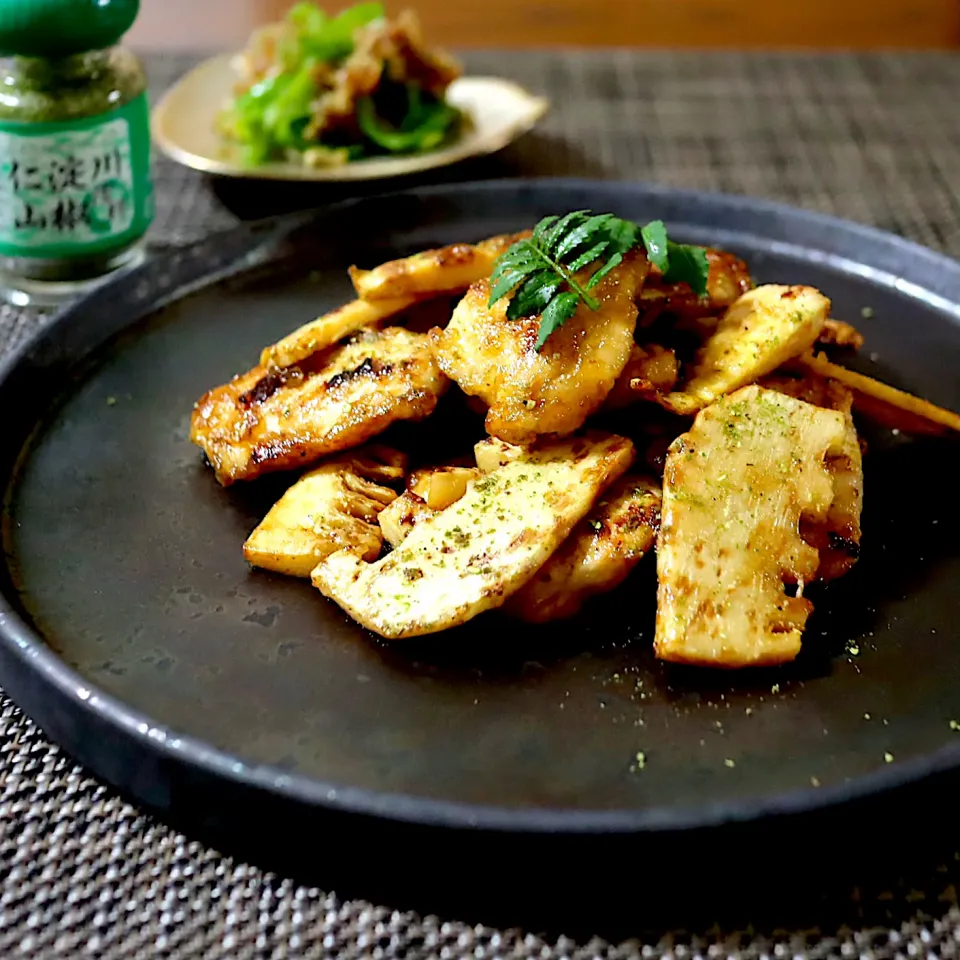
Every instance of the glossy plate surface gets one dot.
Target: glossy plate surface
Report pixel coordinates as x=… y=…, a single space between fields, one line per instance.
x=183 y=126
x=134 y=632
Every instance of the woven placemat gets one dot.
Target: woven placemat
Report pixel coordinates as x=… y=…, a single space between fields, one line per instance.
x=872 y=138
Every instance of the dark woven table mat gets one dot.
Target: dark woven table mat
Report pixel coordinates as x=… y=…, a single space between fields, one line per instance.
x=872 y=138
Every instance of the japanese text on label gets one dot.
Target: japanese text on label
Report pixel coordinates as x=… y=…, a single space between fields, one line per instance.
x=67 y=187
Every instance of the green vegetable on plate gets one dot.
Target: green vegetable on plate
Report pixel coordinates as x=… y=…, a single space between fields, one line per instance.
x=327 y=90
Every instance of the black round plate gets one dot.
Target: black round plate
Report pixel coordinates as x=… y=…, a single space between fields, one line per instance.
x=136 y=635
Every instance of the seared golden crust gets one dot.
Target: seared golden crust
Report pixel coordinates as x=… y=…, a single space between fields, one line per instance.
x=263 y=420
x=598 y=555
x=553 y=391
x=727 y=280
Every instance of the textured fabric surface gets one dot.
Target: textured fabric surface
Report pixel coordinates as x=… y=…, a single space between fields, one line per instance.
x=873 y=138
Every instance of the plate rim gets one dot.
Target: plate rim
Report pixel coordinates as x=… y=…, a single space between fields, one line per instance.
x=38 y=661
x=352 y=172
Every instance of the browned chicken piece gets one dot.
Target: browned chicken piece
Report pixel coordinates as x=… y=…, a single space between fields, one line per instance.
x=442 y=270
x=729 y=277
x=553 y=391
x=391 y=49
x=598 y=555
x=651 y=372
x=838 y=333
x=836 y=536
x=331 y=508
x=264 y=421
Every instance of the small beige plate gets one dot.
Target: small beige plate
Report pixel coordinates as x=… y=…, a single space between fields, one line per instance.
x=183 y=127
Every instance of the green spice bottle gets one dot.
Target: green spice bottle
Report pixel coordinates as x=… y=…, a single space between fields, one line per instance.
x=75 y=191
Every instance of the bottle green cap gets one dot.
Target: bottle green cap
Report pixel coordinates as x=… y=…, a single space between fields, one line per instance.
x=58 y=28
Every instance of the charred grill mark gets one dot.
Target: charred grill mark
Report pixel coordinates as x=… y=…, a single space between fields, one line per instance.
x=268 y=385
x=285 y=418
x=369 y=368
x=481 y=563
x=364 y=370
x=274 y=450
x=411 y=512
x=643 y=515
x=844 y=544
